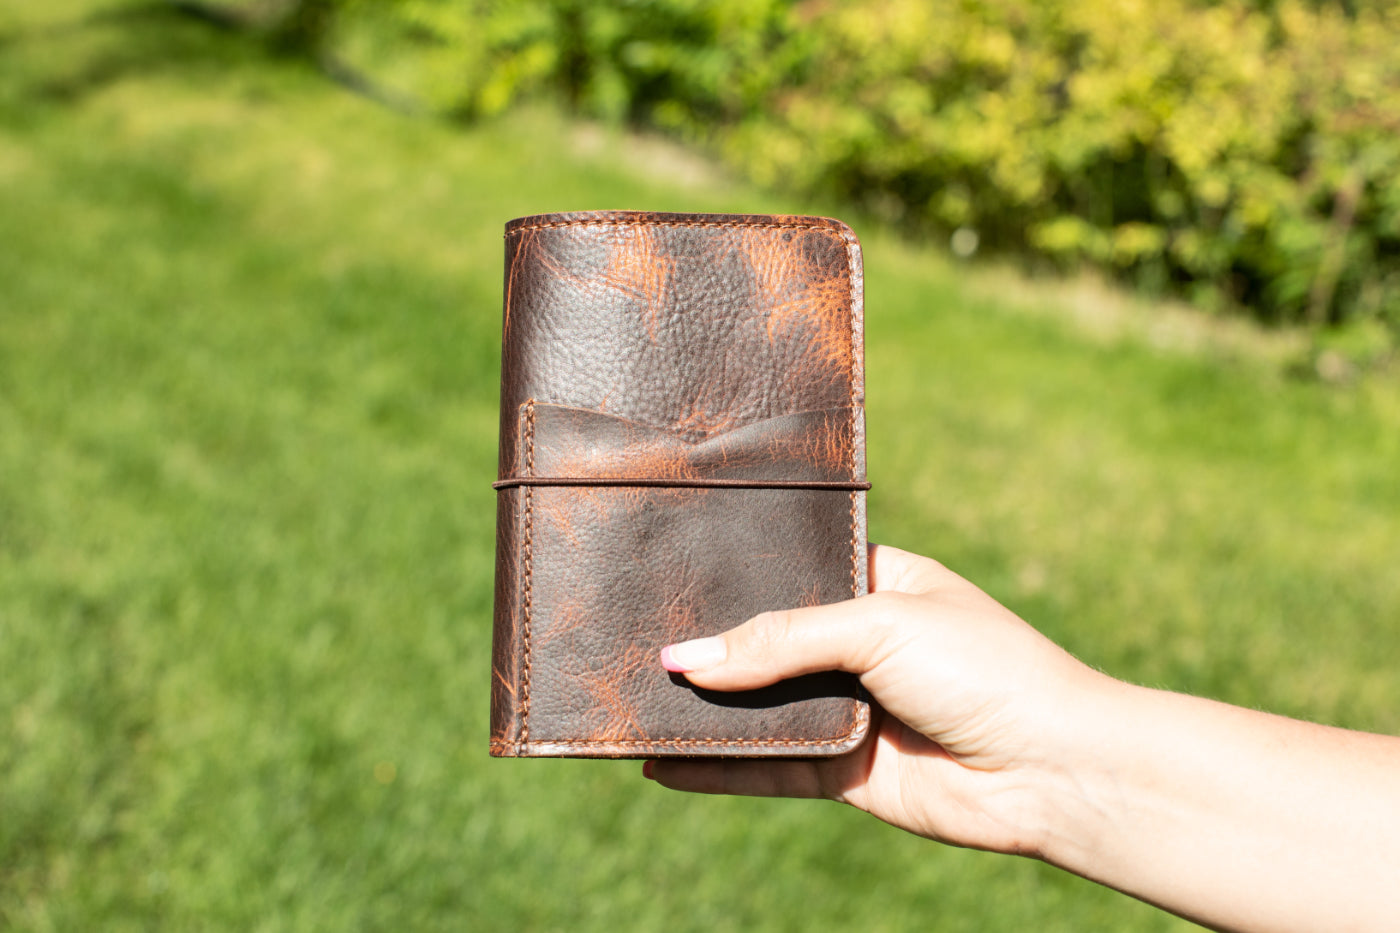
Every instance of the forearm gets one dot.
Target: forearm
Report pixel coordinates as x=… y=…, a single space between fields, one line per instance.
x=994 y=738
x=1237 y=819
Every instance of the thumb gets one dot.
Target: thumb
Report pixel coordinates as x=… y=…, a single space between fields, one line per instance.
x=846 y=636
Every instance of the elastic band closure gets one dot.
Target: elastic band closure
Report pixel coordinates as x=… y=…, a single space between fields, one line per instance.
x=680 y=483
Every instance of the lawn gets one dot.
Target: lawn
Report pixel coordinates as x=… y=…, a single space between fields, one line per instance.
x=248 y=374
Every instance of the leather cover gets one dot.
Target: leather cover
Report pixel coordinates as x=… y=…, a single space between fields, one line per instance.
x=682 y=447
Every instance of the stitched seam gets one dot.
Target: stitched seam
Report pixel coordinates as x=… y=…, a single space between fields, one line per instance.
x=658 y=482
x=669 y=223
x=753 y=743
x=529 y=568
x=851 y=363
x=855 y=544
x=862 y=721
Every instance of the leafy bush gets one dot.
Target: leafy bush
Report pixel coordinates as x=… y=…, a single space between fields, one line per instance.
x=1245 y=154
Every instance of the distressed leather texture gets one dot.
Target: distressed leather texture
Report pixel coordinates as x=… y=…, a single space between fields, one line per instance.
x=643 y=356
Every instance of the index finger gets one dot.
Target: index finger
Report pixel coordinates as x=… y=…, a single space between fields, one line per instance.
x=900 y=571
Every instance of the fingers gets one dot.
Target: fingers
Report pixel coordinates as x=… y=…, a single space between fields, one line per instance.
x=850 y=636
x=744 y=778
x=773 y=646
x=891 y=568
x=827 y=778
x=894 y=570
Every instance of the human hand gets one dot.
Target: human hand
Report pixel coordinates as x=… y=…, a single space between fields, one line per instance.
x=988 y=735
x=974 y=706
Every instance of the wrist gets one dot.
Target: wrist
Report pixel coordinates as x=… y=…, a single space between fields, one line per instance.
x=1072 y=784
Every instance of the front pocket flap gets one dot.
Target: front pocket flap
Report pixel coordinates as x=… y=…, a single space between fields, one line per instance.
x=805 y=446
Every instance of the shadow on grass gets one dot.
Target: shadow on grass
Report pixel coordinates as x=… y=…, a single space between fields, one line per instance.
x=64 y=63
x=163 y=37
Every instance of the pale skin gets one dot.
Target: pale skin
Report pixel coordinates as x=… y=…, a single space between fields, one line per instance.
x=988 y=735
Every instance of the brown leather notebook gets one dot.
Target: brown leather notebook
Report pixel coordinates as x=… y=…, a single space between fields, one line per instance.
x=682 y=447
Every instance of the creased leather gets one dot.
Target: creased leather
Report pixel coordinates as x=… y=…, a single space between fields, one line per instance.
x=673 y=347
x=806 y=445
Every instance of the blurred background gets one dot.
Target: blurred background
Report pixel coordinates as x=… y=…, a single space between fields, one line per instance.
x=1133 y=297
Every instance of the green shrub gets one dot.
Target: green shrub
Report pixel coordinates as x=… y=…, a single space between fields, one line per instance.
x=1244 y=154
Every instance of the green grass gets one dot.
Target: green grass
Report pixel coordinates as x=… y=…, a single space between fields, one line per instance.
x=248 y=336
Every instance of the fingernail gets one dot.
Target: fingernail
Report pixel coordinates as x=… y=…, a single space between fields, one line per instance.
x=648 y=769
x=694 y=655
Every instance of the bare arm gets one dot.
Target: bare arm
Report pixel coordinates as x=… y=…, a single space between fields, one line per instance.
x=992 y=737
